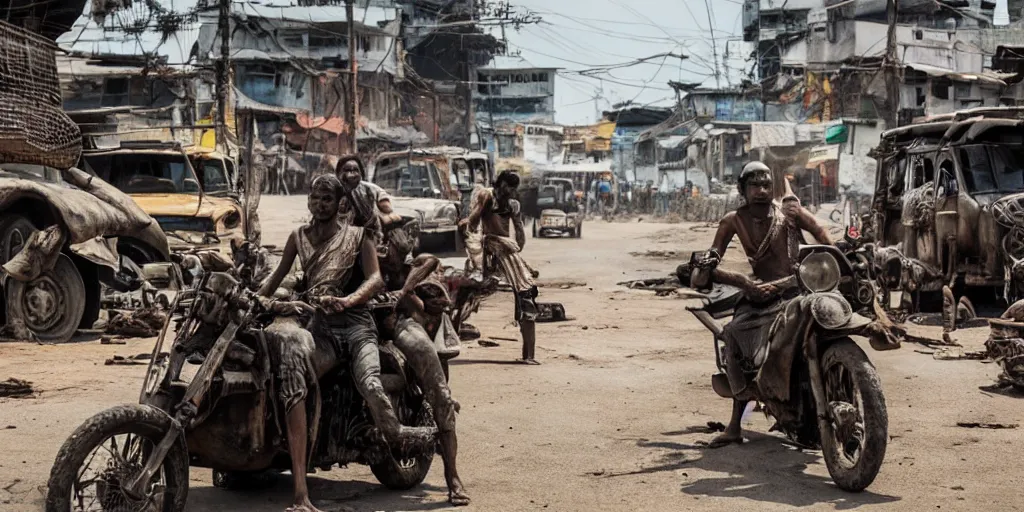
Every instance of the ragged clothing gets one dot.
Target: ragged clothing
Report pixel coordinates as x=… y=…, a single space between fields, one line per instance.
x=327 y=269
x=502 y=256
x=746 y=339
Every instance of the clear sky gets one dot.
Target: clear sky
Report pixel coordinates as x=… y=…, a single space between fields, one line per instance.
x=579 y=35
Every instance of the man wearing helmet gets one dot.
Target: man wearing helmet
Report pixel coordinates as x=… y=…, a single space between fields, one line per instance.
x=769 y=232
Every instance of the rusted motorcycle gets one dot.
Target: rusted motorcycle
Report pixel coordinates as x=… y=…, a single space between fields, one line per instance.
x=809 y=374
x=210 y=402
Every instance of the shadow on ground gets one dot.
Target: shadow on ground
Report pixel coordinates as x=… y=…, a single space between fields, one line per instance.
x=328 y=495
x=765 y=468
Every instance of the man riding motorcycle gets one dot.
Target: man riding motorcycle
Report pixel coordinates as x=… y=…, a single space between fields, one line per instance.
x=330 y=253
x=769 y=233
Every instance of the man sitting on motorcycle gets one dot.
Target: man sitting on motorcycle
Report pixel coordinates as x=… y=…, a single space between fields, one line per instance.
x=367 y=203
x=330 y=252
x=407 y=333
x=769 y=233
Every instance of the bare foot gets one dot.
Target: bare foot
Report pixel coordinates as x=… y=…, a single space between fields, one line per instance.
x=457 y=494
x=303 y=505
x=528 y=361
x=726 y=439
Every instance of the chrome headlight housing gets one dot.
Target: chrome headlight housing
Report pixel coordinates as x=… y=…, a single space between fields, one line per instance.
x=819 y=272
x=831 y=310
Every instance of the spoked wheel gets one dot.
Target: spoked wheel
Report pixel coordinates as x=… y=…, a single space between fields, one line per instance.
x=97 y=464
x=855 y=446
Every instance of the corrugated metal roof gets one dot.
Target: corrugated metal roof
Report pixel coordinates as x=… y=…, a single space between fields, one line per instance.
x=89 y=38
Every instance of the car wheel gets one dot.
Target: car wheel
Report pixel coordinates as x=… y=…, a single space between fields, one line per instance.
x=53 y=304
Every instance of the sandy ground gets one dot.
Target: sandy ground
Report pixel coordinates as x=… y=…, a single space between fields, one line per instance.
x=612 y=420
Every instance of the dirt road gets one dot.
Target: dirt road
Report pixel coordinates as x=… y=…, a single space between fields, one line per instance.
x=612 y=420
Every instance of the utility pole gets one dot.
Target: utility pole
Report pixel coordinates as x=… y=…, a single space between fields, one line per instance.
x=891 y=69
x=223 y=72
x=352 y=113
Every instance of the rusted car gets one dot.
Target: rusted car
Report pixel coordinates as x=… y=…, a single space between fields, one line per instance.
x=433 y=186
x=949 y=197
x=160 y=177
x=90 y=216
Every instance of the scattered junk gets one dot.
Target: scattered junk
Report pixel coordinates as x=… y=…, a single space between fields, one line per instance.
x=16 y=388
x=59 y=226
x=991 y=426
x=137 y=360
x=550 y=312
x=1005 y=345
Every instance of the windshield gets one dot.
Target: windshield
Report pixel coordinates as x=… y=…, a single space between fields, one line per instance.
x=212 y=175
x=406 y=180
x=145 y=173
x=992 y=168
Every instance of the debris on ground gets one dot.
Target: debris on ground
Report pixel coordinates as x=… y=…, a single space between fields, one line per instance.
x=1005 y=345
x=562 y=284
x=16 y=388
x=141 y=323
x=468 y=332
x=959 y=354
x=488 y=343
x=991 y=426
x=141 y=359
x=657 y=254
x=550 y=312
x=715 y=426
x=107 y=340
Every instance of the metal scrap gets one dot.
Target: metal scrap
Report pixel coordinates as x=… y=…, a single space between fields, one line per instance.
x=992 y=426
x=141 y=323
x=16 y=388
x=141 y=359
x=550 y=312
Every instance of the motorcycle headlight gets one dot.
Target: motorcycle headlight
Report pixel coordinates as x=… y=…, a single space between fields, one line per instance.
x=831 y=310
x=819 y=272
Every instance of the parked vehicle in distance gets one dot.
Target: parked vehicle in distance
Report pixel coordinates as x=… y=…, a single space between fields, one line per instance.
x=160 y=177
x=434 y=186
x=560 y=210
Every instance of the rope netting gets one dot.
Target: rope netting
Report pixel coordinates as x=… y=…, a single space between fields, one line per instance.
x=33 y=126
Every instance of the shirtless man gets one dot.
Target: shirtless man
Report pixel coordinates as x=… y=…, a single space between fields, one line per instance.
x=769 y=234
x=494 y=209
x=329 y=251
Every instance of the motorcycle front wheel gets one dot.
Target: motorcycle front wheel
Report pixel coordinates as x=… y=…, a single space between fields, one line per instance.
x=854 y=447
x=106 y=453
